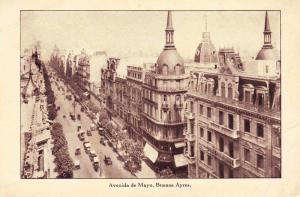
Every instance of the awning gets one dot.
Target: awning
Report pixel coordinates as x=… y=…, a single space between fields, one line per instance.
x=179 y=144
x=180 y=160
x=150 y=152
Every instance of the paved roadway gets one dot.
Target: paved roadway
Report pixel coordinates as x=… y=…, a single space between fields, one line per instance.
x=86 y=170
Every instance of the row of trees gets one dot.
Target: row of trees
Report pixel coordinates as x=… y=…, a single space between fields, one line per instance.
x=52 y=113
x=63 y=161
x=133 y=150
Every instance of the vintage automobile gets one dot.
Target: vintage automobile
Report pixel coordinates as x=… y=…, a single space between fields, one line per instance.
x=107 y=160
x=77 y=165
x=81 y=135
x=88 y=132
x=87 y=147
x=96 y=163
x=101 y=131
x=102 y=141
x=92 y=154
x=77 y=151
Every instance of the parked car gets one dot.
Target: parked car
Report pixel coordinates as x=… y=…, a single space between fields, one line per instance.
x=78 y=117
x=107 y=160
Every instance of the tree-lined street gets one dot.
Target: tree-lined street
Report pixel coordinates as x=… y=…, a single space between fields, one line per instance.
x=116 y=170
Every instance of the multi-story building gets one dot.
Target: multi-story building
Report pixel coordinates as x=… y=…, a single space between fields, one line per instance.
x=134 y=81
x=108 y=85
x=233 y=116
x=163 y=96
x=83 y=71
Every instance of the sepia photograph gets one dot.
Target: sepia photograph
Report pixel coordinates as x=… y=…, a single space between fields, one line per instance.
x=150 y=94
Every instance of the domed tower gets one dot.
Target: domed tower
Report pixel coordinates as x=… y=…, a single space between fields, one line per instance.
x=206 y=51
x=267 y=52
x=169 y=61
x=163 y=100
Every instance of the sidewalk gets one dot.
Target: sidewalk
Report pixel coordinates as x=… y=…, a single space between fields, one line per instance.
x=146 y=172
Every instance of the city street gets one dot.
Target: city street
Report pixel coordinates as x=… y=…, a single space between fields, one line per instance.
x=86 y=170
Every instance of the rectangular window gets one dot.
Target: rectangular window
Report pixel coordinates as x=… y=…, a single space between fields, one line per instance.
x=247 y=125
x=260 y=130
x=247 y=154
x=209 y=136
x=260 y=161
x=230 y=121
x=201 y=132
x=192 y=127
x=192 y=106
x=208 y=112
x=221 y=117
x=247 y=97
x=209 y=160
x=201 y=109
x=201 y=155
x=221 y=144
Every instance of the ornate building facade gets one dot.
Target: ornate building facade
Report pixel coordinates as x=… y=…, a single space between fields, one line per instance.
x=233 y=117
x=163 y=114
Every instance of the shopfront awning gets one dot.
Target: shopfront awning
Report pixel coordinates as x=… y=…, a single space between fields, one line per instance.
x=179 y=144
x=150 y=152
x=180 y=160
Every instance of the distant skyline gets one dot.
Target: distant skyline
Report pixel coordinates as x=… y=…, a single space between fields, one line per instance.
x=142 y=33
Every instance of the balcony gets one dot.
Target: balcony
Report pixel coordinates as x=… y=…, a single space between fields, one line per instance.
x=191 y=159
x=254 y=139
x=276 y=151
x=190 y=115
x=190 y=137
x=165 y=106
x=236 y=104
x=233 y=133
x=234 y=163
x=178 y=105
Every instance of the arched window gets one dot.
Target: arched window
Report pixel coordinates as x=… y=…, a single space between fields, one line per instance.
x=223 y=89
x=177 y=69
x=230 y=92
x=165 y=69
x=177 y=99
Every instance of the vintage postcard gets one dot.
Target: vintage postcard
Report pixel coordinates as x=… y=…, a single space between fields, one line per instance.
x=99 y=100
x=140 y=99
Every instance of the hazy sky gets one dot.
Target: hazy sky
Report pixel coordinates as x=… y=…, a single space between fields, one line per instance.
x=132 y=33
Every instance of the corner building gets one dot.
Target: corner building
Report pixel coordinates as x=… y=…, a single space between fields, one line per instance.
x=233 y=117
x=163 y=114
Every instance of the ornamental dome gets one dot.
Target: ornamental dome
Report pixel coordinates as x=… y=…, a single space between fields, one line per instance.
x=170 y=62
x=267 y=54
